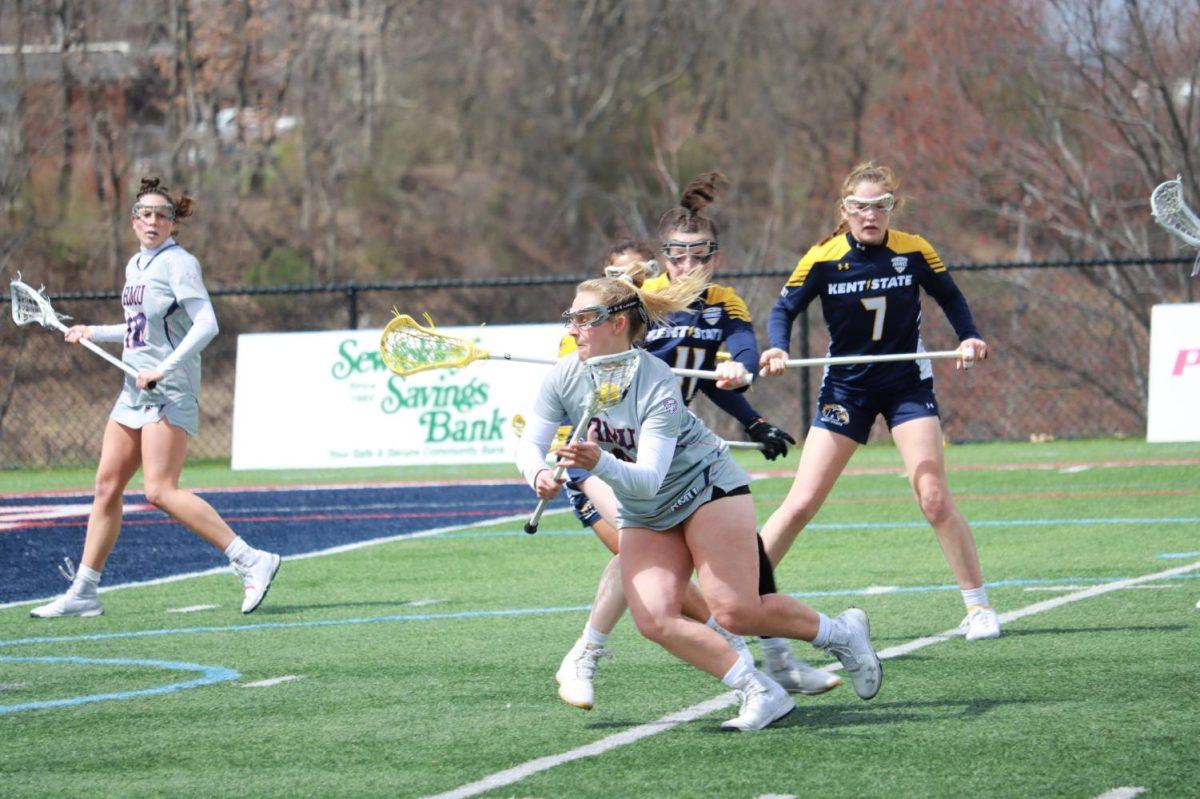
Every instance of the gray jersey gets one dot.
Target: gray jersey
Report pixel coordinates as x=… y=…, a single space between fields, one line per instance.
x=156 y=283
x=653 y=405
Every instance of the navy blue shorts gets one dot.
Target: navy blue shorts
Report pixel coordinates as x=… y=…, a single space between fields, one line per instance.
x=584 y=510
x=851 y=412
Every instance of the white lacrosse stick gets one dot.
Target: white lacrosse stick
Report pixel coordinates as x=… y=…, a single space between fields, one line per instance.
x=610 y=376
x=967 y=354
x=1170 y=211
x=29 y=305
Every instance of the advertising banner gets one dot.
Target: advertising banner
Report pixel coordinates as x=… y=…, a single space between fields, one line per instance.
x=1174 y=407
x=308 y=400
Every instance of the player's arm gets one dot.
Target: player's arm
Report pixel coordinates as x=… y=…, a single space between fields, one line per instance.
x=204 y=329
x=801 y=288
x=640 y=479
x=102 y=333
x=540 y=427
x=532 y=447
x=737 y=331
x=733 y=403
x=935 y=278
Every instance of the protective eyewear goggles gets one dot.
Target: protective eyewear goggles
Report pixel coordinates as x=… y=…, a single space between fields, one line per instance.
x=679 y=251
x=147 y=212
x=595 y=315
x=648 y=269
x=860 y=205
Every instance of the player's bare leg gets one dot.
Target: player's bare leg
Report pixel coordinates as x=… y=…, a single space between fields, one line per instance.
x=164 y=447
x=921 y=447
x=822 y=459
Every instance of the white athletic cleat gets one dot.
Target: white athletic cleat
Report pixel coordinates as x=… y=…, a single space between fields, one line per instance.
x=69 y=604
x=576 y=672
x=256 y=578
x=763 y=702
x=797 y=677
x=850 y=642
x=981 y=623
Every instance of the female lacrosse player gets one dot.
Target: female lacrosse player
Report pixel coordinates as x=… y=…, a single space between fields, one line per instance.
x=869 y=279
x=682 y=502
x=688 y=338
x=168 y=321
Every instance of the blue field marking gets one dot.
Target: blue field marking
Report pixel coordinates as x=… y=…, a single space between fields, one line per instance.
x=870 y=591
x=37 y=532
x=921 y=525
x=209 y=675
x=1178 y=555
x=290 y=625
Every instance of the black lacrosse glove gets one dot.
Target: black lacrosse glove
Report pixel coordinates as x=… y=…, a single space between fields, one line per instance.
x=775 y=440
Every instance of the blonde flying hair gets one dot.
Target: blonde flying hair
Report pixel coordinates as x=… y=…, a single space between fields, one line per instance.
x=866 y=172
x=655 y=306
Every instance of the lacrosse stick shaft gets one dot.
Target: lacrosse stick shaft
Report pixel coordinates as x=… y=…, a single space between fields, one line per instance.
x=940 y=355
x=504 y=356
x=705 y=374
x=743 y=445
x=531 y=526
x=103 y=353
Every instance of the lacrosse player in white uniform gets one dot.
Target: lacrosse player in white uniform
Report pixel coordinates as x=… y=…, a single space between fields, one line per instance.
x=168 y=321
x=683 y=504
x=689 y=242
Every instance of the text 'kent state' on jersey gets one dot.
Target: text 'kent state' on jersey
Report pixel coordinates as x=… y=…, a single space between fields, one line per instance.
x=870 y=296
x=689 y=339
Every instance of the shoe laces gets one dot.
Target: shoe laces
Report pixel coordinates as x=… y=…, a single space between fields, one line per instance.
x=978 y=613
x=68 y=573
x=752 y=689
x=840 y=644
x=585 y=664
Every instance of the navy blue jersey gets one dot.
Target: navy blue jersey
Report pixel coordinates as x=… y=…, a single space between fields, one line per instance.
x=689 y=339
x=870 y=296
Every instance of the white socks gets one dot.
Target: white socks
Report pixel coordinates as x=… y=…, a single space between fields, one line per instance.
x=775 y=650
x=239 y=551
x=593 y=638
x=824 y=628
x=975 y=597
x=737 y=674
x=86 y=582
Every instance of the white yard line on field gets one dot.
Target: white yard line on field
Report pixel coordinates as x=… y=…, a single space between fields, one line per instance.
x=1125 y=792
x=632 y=735
x=271 y=681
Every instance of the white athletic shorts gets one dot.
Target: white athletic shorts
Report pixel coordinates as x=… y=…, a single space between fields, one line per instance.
x=184 y=413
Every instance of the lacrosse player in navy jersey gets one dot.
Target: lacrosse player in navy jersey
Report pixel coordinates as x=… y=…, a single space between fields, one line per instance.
x=869 y=278
x=682 y=503
x=168 y=321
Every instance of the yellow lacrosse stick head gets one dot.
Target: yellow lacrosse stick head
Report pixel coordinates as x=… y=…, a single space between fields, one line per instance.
x=408 y=347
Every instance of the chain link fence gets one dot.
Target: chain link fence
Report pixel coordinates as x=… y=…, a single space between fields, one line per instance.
x=1069 y=356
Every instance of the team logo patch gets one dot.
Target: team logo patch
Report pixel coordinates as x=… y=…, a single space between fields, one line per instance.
x=835 y=414
x=712 y=314
x=670 y=405
x=900 y=263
